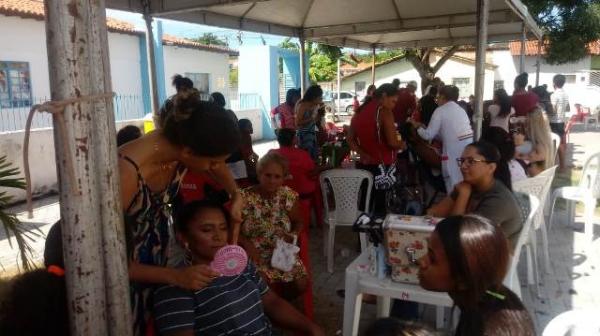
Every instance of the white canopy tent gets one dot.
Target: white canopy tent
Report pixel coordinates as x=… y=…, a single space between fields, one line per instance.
x=369 y=25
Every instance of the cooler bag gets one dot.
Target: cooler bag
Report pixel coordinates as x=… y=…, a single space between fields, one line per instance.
x=405 y=239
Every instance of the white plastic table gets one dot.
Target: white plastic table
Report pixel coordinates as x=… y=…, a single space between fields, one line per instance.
x=362 y=282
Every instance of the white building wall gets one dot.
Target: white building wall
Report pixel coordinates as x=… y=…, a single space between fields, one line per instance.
x=405 y=72
x=508 y=69
x=24 y=40
x=180 y=60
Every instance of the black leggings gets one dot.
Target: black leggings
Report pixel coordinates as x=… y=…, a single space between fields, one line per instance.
x=377 y=207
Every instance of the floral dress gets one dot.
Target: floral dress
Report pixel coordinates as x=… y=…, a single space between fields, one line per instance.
x=264 y=221
x=149 y=237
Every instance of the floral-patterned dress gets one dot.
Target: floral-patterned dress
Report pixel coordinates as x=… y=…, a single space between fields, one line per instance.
x=264 y=221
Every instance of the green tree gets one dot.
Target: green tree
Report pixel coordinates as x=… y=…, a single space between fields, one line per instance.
x=569 y=25
x=210 y=39
x=322 y=59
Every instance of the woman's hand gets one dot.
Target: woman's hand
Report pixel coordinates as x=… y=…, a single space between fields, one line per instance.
x=518 y=138
x=194 y=277
x=237 y=205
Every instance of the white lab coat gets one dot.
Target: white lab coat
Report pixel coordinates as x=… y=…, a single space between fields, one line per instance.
x=450 y=124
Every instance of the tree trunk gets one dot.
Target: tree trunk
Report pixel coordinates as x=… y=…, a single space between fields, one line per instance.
x=420 y=59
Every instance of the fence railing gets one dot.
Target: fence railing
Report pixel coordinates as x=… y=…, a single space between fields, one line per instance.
x=126 y=107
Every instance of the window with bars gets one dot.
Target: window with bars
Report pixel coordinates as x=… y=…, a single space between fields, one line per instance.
x=595 y=78
x=15 y=84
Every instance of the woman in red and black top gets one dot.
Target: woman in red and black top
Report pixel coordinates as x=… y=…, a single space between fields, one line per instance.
x=373 y=136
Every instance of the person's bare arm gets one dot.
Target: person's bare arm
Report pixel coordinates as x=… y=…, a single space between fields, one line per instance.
x=389 y=130
x=441 y=209
x=222 y=175
x=192 y=277
x=296 y=218
x=283 y=314
x=463 y=194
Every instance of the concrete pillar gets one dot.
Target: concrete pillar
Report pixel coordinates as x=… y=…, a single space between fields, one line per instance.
x=482 y=26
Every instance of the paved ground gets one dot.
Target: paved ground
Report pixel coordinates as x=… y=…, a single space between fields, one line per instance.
x=571 y=284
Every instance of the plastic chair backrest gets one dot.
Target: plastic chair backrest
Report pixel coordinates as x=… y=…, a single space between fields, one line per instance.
x=590 y=178
x=345 y=184
x=538 y=186
x=529 y=206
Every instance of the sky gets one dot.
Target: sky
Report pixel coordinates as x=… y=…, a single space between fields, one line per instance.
x=189 y=30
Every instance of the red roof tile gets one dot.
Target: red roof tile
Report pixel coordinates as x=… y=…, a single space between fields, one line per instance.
x=183 y=42
x=531 y=48
x=34 y=9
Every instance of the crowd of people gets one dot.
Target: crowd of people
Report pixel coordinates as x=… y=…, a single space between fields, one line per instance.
x=195 y=185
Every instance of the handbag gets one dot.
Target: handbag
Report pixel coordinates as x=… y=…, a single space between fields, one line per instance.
x=284 y=255
x=386 y=177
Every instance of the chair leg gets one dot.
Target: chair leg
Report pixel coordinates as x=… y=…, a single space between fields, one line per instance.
x=384 y=304
x=545 y=246
x=330 y=243
x=536 y=269
x=439 y=317
x=352 y=305
x=550 y=220
x=589 y=205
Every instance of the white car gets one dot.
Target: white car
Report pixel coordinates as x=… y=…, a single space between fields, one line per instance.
x=346 y=101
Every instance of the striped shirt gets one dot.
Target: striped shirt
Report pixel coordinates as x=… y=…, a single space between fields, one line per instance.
x=228 y=306
x=560 y=102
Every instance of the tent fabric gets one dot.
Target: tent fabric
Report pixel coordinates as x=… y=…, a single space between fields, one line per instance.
x=353 y=23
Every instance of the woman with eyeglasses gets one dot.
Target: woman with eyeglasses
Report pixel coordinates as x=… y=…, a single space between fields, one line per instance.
x=485 y=190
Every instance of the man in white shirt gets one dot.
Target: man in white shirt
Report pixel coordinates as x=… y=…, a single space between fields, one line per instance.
x=450 y=124
x=560 y=105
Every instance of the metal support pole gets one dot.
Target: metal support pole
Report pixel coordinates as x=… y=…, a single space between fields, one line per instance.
x=302 y=65
x=151 y=59
x=373 y=66
x=538 y=63
x=522 y=57
x=84 y=138
x=483 y=7
x=339 y=82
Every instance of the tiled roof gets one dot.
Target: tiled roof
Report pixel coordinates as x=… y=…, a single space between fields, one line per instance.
x=531 y=48
x=186 y=43
x=34 y=9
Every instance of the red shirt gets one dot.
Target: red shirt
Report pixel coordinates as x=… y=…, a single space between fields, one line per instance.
x=407 y=103
x=193 y=186
x=364 y=125
x=286 y=116
x=523 y=102
x=301 y=165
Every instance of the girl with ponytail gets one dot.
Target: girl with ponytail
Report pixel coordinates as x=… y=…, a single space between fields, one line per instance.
x=485 y=190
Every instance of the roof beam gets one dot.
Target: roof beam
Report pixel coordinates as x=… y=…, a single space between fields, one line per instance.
x=408 y=25
x=442 y=42
x=234 y=22
x=170 y=7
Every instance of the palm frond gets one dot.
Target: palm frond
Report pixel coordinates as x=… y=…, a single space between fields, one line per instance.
x=11 y=224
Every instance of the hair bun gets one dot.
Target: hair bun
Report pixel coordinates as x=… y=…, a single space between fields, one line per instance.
x=184 y=103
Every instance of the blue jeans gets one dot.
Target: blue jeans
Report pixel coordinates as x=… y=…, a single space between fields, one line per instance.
x=308 y=142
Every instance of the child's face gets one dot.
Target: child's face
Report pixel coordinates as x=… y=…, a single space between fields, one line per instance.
x=207 y=233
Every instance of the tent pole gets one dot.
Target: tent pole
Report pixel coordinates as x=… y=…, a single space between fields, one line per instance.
x=302 y=65
x=151 y=59
x=483 y=7
x=373 y=66
x=339 y=83
x=522 y=56
x=93 y=234
x=538 y=63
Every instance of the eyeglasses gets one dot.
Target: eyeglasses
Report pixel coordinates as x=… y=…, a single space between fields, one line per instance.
x=469 y=161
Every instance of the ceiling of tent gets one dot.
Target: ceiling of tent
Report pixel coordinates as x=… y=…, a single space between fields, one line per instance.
x=352 y=23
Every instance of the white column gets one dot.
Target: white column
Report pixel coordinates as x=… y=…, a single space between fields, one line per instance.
x=538 y=63
x=339 y=82
x=373 y=66
x=151 y=61
x=302 y=66
x=482 y=25
x=84 y=138
x=523 y=51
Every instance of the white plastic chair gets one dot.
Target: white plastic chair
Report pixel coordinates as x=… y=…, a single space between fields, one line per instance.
x=574 y=323
x=587 y=192
x=555 y=143
x=345 y=185
x=530 y=205
x=538 y=186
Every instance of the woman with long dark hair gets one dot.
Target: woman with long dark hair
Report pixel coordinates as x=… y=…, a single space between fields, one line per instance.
x=485 y=190
x=306 y=113
x=197 y=136
x=468 y=257
x=501 y=110
x=373 y=136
